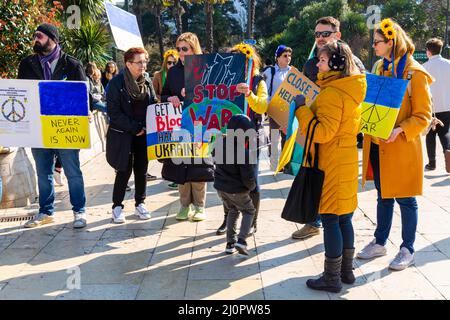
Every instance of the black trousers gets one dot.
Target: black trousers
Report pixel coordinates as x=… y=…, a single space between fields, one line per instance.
x=442 y=132
x=137 y=162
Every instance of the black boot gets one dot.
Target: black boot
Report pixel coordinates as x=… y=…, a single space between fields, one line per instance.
x=256 y=199
x=331 y=279
x=223 y=227
x=347 y=275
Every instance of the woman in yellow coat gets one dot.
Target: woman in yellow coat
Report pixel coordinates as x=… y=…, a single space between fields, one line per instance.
x=396 y=164
x=338 y=112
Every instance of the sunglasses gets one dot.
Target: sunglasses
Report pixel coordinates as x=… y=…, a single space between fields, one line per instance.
x=377 y=42
x=170 y=63
x=184 y=49
x=324 y=34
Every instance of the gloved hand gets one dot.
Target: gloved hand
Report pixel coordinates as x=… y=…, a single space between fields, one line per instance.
x=299 y=100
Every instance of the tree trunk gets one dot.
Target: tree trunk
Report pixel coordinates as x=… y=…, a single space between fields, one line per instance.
x=209 y=10
x=251 y=18
x=178 y=11
x=159 y=31
x=138 y=12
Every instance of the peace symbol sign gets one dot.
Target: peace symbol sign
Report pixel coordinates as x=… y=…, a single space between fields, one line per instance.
x=13 y=110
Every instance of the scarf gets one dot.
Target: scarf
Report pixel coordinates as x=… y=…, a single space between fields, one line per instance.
x=137 y=89
x=46 y=62
x=400 y=66
x=163 y=77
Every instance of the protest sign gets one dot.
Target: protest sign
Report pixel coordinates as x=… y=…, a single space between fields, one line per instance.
x=44 y=114
x=381 y=105
x=295 y=83
x=124 y=28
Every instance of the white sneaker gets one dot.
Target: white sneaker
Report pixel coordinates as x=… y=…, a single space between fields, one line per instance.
x=372 y=250
x=402 y=260
x=117 y=215
x=141 y=212
x=58 y=178
x=79 y=220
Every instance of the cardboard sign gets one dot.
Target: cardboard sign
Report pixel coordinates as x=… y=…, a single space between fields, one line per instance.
x=124 y=28
x=381 y=105
x=295 y=83
x=44 y=114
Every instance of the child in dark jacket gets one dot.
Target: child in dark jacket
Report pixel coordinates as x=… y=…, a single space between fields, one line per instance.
x=235 y=178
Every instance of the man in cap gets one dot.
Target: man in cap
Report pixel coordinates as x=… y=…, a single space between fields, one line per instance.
x=50 y=63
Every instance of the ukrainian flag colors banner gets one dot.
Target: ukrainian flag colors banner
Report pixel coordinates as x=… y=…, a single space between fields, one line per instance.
x=44 y=114
x=291 y=133
x=381 y=106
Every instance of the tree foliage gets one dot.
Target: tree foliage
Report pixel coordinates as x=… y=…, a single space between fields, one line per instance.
x=18 y=22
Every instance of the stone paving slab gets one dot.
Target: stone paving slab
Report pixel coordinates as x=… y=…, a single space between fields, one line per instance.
x=166 y=259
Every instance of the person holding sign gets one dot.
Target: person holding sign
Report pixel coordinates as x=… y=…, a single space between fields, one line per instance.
x=275 y=76
x=159 y=79
x=396 y=164
x=327 y=29
x=191 y=178
x=335 y=113
x=256 y=97
x=129 y=94
x=50 y=63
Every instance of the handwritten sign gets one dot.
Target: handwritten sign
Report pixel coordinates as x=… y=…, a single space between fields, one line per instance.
x=65 y=132
x=381 y=105
x=164 y=132
x=295 y=83
x=44 y=114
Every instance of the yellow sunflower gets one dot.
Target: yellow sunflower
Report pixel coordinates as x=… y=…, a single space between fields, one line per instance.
x=245 y=49
x=386 y=24
x=389 y=33
x=171 y=52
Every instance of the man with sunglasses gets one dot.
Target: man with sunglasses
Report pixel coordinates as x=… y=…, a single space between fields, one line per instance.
x=327 y=29
x=50 y=63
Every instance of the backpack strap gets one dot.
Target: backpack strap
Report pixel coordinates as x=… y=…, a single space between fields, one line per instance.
x=272 y=72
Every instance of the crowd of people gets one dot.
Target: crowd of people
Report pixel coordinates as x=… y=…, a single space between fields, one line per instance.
x=395 y=164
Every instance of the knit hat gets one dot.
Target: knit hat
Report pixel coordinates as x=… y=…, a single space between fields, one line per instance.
x=50 y=30
x=280 y=50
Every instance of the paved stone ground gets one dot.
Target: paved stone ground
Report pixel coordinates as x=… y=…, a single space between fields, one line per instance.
x=165 y=259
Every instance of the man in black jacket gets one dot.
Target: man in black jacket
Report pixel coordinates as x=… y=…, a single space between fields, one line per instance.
x=327 y=29
x=50 y=63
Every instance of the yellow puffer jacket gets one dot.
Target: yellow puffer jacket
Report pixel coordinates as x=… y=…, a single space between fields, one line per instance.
x=338 y=109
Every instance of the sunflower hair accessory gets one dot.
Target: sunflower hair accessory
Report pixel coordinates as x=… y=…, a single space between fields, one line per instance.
x=387 y=27
x=170 y=52
x=245 y=49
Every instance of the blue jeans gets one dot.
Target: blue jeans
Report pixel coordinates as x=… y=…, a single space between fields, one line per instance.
x=317 y=223
x=338 y=234
x=385 y=210
x=45 y=165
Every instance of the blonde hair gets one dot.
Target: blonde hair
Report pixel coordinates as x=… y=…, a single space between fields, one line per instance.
x=402 y=42
x=192 y=39
x=96 y=76
x=342 y=49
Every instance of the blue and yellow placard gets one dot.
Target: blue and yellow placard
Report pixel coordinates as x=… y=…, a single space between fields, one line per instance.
x=381 y=105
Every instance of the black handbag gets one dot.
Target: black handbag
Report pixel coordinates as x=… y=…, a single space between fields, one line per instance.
x=302 y=204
